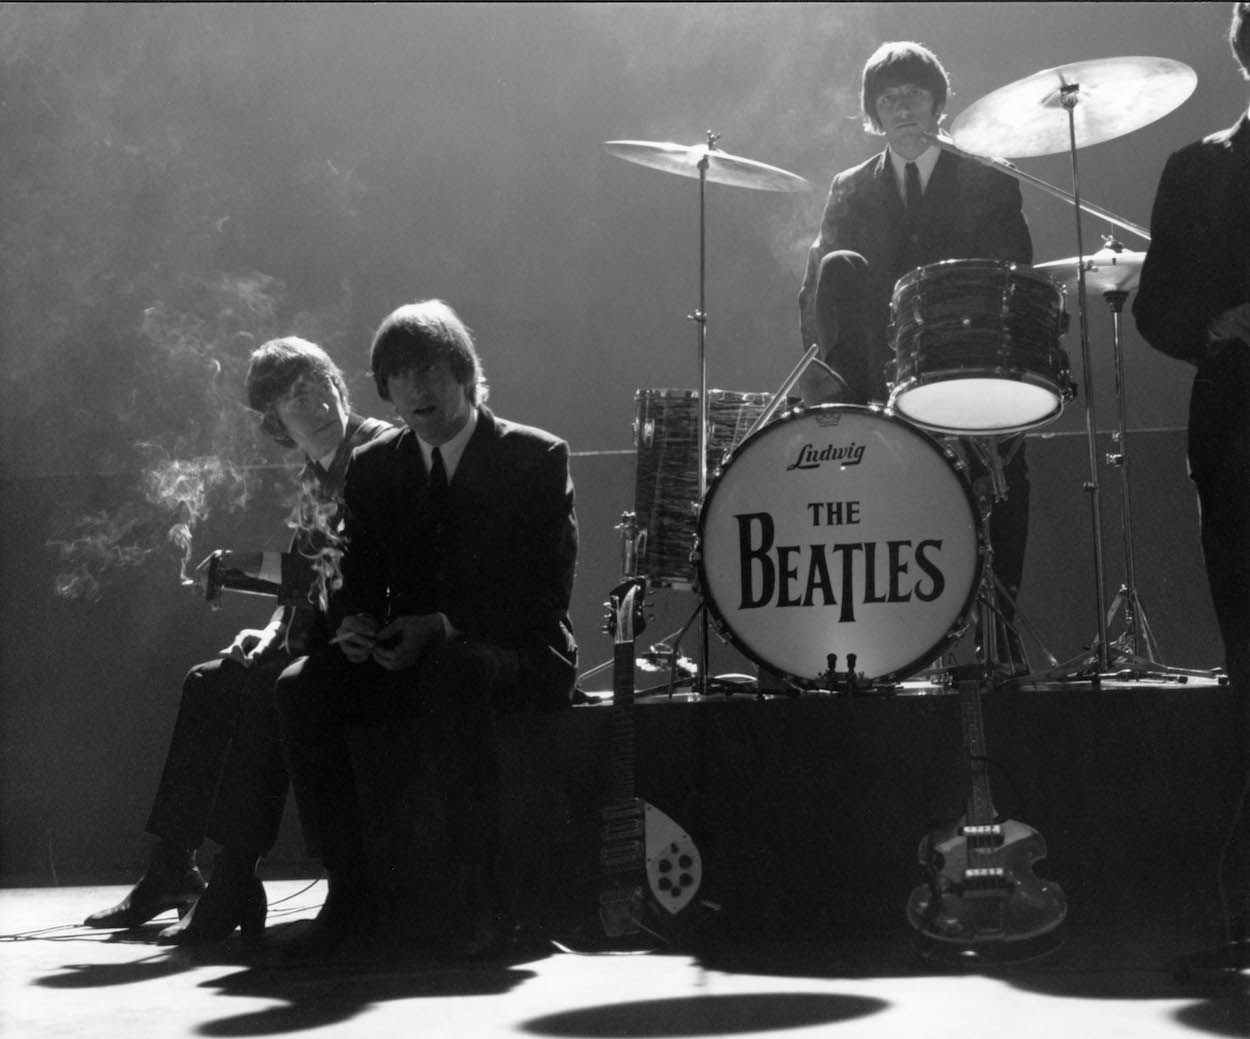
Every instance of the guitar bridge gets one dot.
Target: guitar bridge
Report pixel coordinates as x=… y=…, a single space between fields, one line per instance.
x=986 y=881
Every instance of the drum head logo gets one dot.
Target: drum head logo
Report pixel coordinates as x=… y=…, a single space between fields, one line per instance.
x=865 y=544
x=810 y=456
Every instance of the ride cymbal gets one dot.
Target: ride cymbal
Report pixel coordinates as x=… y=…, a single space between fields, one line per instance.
x=1113 y=97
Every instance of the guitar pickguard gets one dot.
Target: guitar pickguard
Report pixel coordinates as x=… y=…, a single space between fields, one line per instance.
x=674 y=866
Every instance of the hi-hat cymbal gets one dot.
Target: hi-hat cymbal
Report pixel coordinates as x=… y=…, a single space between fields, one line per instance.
x=1114 y=96
x=722 y=168
x=1108 y=270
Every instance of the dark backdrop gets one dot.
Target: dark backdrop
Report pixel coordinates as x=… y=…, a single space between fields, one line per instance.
x=179 y=182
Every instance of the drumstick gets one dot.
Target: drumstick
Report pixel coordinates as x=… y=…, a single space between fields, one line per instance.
x=780 y=395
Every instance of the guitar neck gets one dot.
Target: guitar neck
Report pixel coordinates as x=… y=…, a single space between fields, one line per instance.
x=623 y=781
x=981 y=811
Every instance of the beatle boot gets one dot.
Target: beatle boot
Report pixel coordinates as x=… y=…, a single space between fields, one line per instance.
x=235 y=897
x=347 y=921
x=171 y=881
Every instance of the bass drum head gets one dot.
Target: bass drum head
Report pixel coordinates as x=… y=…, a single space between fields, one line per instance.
x=840 y=529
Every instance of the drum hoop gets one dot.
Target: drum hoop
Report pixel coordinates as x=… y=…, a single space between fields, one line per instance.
x=918 y=275
x=965 y=615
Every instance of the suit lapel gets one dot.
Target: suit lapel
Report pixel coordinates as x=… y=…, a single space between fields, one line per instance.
x=474 y=465
x=943 y=183
x=886 y=187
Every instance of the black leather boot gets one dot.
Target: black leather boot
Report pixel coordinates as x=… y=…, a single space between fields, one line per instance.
x=171 y=881
x=235 y=897
x=347 y=922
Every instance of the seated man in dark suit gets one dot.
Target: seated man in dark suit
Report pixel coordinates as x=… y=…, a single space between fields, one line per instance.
x=460 y=550
x=225 y=775
x=911 y=205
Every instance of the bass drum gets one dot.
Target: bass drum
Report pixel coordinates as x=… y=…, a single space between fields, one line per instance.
x=840 y=529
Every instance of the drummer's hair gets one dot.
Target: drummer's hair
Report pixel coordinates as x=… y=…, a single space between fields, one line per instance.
x=418 y=333
x=900 y=61
x=1239 y=37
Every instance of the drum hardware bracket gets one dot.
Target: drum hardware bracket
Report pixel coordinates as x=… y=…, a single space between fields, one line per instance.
x=849 y=681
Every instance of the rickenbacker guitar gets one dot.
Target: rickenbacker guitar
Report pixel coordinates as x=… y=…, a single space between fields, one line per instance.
x=649 y=868
x=981 y=893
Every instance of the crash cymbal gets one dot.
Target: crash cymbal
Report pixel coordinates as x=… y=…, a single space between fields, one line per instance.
x=722 y=168
x=1114 y=96
x=1108 y=270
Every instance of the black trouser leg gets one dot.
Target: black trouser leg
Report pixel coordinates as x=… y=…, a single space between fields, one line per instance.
x=312 y=695
x=1219 y=463
x=254 y=781
x=844 y=326
x=215 y=697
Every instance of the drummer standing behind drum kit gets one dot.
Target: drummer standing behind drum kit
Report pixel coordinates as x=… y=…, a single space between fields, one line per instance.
x=912 y=205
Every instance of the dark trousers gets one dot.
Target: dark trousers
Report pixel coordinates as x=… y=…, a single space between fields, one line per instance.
x=1219 y=464
x=446 y=703
x=852 y=329
x=225 y=775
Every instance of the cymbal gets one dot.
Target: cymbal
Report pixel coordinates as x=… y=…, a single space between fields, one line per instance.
x=1108 y=270
x=722 y=168
x=1114 y=96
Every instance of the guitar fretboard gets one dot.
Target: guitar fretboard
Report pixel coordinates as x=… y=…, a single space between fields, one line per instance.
x=622 y=785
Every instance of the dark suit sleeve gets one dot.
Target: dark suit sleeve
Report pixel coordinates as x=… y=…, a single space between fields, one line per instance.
x=999 y=229
x=1179 y=295
x=549 y=548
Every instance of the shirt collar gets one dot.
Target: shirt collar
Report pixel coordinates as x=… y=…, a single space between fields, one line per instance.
x=453 y=450
x=925 y=162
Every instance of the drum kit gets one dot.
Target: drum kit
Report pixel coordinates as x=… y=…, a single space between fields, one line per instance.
x=853 y=533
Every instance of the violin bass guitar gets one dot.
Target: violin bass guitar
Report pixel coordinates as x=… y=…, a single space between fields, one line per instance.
x=981 y=896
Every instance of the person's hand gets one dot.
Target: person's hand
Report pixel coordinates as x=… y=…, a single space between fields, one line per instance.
x=1234 y=323
x=251 y=645
x=400 y=643
x=356 y=636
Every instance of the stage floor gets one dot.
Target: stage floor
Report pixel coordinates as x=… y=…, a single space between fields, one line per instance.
x=1105 y=981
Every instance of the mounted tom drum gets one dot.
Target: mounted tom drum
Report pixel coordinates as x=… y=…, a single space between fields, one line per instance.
x=976 y=348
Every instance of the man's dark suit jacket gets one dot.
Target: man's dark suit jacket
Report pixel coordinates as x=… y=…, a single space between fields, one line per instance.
x=1197 y=267
x=1198 y=264
x=969 y=212
x=502 y=565
x=308 y=627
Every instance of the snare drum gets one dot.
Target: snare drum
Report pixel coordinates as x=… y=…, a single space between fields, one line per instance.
x=666 y=488
x=840 y=529
x=976 y=347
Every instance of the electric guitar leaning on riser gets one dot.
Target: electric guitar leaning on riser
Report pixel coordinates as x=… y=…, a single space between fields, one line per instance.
x=649 y=869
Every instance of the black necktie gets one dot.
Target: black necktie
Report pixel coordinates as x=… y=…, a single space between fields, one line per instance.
x=914 y=191
x=438 y=476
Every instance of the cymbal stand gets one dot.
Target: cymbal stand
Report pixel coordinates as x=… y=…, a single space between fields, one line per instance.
x=999 y=646
x=1069 y=98
x=699 y=317
x=1137 y=645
